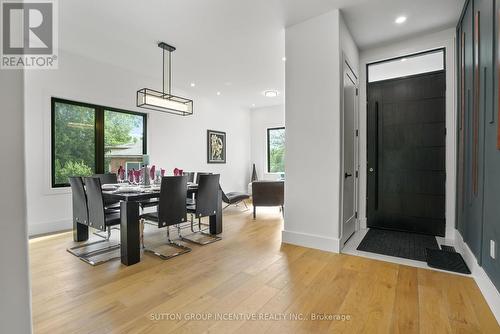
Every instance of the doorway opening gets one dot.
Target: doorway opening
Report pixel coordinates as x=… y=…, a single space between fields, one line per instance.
x=350 y=145
x=406 y=156
x=406 y=144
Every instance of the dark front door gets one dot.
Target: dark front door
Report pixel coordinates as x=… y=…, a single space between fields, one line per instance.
x=406 y=154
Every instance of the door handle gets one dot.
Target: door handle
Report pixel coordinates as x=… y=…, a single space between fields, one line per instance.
x=371 y=170
x=346 y=175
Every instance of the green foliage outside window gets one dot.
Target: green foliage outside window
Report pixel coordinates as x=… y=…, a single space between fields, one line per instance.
x=276 y=150
x=74 y=141
x=75 y=137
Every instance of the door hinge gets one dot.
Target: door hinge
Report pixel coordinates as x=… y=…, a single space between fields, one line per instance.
x=445 y=131
x=357 y=133
x=357 y=91
x=356 y=214
x=356 y=173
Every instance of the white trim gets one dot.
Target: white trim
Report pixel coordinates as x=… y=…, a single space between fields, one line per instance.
x=311 y=241
x=49 y=227
x=484 y=283
x=347 y=68
x=363 y=222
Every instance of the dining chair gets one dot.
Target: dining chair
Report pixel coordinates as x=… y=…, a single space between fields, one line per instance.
x=199 y=174
x=190 y=176
x=79 y=202
x=171 y=211
x=191 y=198
x=109 y=178
x=89 y=210
x=205 y=206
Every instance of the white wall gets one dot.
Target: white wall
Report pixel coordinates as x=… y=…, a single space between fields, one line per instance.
x=173 y=141
x=441 y=39
x=348 y=47
x=261 y=120
x=15 y=309
x=312 y=120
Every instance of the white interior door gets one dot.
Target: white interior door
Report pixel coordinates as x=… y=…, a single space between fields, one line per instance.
x=349 y=185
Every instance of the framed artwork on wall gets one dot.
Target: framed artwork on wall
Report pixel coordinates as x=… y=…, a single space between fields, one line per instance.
x=216 y=147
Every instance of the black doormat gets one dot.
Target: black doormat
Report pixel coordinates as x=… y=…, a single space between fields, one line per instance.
x=400 y=244
x=448 y=248
x=451 y=261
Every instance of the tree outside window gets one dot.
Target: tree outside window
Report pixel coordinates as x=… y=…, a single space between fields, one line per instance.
x=276 y=150
x=89 y=139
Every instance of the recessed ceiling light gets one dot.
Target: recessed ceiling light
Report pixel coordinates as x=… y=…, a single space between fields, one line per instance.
x=253 y=104
x=218 y=93
x=271 y=93
x=403 y=59
x=400 y=19
x=284 y=58
x=192 y=84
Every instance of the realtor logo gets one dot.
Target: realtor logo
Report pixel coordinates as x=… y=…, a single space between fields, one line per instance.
x=29 y=38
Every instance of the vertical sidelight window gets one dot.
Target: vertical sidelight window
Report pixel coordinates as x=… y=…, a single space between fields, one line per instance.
x=73 y=141
x=89 y=139
x=123 y=140
x=276 y=150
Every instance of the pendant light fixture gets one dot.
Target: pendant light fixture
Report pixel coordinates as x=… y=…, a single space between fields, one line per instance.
x=164 y=101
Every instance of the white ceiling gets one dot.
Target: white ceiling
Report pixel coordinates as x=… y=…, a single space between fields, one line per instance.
x=232 y=46
x=372 y=22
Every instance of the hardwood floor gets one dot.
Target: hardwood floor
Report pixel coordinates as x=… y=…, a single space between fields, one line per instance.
x=249 y=272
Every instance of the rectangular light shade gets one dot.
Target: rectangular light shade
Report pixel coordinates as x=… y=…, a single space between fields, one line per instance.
x=155 y=100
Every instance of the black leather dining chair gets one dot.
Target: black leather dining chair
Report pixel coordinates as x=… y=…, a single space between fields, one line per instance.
x=89 y=208
x=190 y=176
x=171 y=212
x=107 y=178
x=112 y=178
x=199 y=174
x=205 y=206
x=234 y=198
x=79 y=201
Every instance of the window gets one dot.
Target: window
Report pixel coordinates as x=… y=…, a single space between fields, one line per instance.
x=89 y=139
x=123 y=140
x=276 y=150
x=424 y=62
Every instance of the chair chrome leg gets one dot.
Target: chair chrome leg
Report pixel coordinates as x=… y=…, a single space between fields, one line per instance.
x=141 y=226
x=178 y=249
x=200 y=237
x=95 y=253
x=236 y=204
x=192 y=224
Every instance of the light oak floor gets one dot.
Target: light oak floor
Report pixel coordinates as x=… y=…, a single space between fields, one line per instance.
x=248 y=273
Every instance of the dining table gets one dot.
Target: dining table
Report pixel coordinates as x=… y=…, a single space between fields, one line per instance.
x=129 y=219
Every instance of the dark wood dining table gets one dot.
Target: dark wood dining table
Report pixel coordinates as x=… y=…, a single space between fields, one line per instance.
x=129 y=226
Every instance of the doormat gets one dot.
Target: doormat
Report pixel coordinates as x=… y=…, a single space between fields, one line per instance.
x=400 y=244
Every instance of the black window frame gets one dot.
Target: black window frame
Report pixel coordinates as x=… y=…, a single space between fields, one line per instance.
x=99 y=134
x=269 y=151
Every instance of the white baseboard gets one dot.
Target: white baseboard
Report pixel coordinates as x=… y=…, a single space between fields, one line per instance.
x=49 y=227
x=484 y=283
x=311 y=241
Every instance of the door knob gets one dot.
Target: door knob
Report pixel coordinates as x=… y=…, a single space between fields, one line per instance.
x=371 y=170
x=346 y=175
